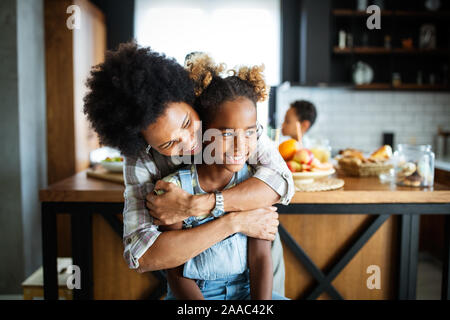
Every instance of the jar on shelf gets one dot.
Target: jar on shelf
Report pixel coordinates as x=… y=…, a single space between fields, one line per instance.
x=414 y=165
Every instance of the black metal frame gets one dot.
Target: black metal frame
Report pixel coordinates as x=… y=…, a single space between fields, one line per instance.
x=324 y=282
x=81 y=218
x=81 y=235
x=408 y=242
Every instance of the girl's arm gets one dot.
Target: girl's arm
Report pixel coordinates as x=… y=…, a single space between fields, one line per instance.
x=173 y=248
x=182 y=288
x=260 y=265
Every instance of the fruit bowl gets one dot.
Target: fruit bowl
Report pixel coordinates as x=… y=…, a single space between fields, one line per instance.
x=310 y=176
x=113 y=164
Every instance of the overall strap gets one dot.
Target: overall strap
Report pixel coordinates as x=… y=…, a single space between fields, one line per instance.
x=186 y=180
x=242 y=173
x=186 y=184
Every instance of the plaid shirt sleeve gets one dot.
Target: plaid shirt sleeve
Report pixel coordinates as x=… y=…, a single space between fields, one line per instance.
x=272 y=169
x=139 y=232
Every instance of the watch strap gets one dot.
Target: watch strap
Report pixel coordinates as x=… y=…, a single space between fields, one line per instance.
x=219 y=209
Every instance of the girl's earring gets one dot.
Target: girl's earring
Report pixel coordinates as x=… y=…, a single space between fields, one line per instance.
x=147 y=150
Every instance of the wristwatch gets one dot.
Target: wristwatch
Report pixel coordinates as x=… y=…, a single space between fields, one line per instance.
x=219 y=209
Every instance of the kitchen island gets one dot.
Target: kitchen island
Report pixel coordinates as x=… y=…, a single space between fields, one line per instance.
x=364 y=224
x=330 y=238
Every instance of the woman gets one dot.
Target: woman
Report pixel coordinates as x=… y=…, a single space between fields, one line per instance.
x=140 y=102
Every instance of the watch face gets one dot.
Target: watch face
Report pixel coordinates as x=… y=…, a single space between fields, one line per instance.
x=216 y=213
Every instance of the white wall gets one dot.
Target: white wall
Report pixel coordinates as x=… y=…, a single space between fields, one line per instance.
x=350 y=118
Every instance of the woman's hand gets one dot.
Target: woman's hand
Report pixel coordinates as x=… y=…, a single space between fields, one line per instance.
x=259 y=223
x=175 y=204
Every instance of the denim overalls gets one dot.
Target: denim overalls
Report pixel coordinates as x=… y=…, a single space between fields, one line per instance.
x=221 y=271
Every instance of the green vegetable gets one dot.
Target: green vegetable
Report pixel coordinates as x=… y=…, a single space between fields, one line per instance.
x=114 y=159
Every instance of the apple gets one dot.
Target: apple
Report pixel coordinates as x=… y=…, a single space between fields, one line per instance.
x=319 y=166
x=294 y=166
x=315 y=163
x=306 y=167
x=303 y=156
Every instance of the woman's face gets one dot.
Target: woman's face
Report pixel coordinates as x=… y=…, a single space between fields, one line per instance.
x=236 y=121
x=176 y=132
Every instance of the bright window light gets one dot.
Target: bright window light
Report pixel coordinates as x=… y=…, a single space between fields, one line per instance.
x=244 y=32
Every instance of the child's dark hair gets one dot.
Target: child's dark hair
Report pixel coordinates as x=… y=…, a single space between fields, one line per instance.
x=305 y=110
x=212 y=90
x=129 y=91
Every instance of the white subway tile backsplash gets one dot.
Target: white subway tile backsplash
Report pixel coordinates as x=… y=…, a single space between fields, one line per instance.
x=358 y=118
x=441 y=98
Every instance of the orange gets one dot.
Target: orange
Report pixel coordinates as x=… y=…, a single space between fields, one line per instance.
x=288 y=148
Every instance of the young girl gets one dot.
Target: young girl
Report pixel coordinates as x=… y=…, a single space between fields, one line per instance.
x=228 y=105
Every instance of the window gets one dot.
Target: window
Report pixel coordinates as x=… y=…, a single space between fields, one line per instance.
x=244 y=32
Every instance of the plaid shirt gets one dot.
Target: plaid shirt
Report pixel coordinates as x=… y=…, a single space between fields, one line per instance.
x=142 y=172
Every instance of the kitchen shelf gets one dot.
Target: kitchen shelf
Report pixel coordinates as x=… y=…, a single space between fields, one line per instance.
x=403 y=86
x=382 y=50
x=356 y=13
x=374 y=86
x=414 y=86
x=423 y=14
x=362 y=50
x=403 y=20
x=390 y=13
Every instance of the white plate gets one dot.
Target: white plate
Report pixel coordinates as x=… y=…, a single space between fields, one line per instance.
x=308 y=177
x=113 y=166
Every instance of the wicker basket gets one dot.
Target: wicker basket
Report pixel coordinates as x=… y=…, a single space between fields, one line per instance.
x=356 y=167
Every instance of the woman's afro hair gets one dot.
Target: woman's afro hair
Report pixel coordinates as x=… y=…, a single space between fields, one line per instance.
x=129 y=91
x=212 y=88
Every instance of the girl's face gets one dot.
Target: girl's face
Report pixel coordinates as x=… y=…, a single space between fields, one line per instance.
x=236 y=120
x=176 y=132
x=289 y=127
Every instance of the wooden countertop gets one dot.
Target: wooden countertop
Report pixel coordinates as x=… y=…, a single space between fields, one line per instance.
x=80 y=188
x=371 y=190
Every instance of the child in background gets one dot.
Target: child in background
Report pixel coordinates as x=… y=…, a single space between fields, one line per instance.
x=302 y=111
x=238 y=267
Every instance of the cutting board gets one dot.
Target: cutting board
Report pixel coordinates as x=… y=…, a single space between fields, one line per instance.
x=103 y=174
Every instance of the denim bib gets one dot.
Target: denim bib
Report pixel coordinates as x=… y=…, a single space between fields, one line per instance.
x=227 y=257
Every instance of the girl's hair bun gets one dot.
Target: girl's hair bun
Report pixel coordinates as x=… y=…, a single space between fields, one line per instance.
x=202 y=69
x=254 y=76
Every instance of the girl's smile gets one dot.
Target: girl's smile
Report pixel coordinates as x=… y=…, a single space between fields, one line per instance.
x=237 y=121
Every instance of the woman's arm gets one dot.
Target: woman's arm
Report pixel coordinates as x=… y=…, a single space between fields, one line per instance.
x=181 y=287
x=173 y=248
x=247 y=195
x=260 y=265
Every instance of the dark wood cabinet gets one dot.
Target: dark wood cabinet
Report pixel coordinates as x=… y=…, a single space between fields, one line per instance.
x=401 y=22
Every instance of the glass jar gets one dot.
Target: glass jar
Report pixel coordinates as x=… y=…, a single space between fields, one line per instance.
x=320 y=148
x=414 y=165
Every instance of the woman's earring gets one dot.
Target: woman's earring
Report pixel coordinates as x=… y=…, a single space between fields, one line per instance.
x=147 y=150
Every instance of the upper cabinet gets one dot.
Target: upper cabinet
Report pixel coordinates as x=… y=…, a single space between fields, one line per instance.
x=399 y=45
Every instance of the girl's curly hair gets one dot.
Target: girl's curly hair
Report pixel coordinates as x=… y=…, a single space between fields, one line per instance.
x=212 y=89
x=129 y=91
